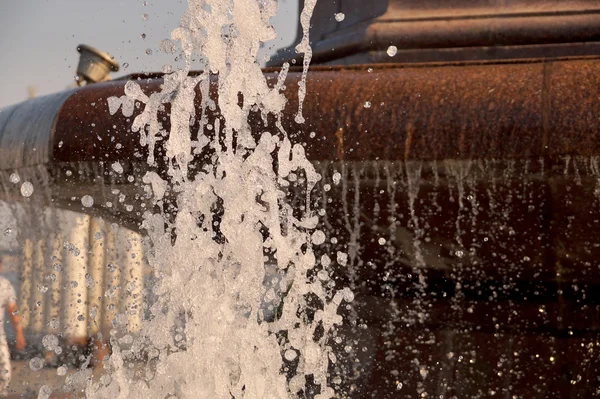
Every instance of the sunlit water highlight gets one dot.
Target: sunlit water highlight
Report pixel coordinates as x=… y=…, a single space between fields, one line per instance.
x=234 y=262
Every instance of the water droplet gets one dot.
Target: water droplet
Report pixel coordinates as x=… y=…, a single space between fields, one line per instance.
x=68 y=173
x=43 y=288
x=340 y=16
x=348 y=295
x=381 y=241
x=167 y=46
x=80 y=318
x=74 y=284
x=290 y=355
x=50 y=342
x=323 y=276
x=392 y=51
x=342 y=258
x=145 y=17
x=37 y=363
x=89 y=281
x=337 y=177
x=318 y=237
x=125 y=65
x=61 y=371
x=128 y=339
x=149 y=51
x=26 y=189
x=60 y=144
x=399 y=386
x=44 y=392
x=8 y=232
x=14 y=178
x=87 y=201
x=327 y=187
x=367 y=104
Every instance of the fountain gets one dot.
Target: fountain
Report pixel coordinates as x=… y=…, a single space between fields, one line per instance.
x=458 y=197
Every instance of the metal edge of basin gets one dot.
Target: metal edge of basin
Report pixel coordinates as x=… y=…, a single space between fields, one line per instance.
x=504 y=110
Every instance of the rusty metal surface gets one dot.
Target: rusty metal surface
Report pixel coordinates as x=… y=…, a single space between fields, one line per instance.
x=25 y=131
x=415 y=26
x=85 y=130
x=481 y=111
x=430 y=113
x=510 y=250
x=473 y=54
x=500 y=163
x=508 y=110
x=533 y=110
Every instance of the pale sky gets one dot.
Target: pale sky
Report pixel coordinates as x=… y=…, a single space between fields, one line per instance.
x=38 y=38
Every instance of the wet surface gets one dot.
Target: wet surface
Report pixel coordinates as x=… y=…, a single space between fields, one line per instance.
x=468 y=203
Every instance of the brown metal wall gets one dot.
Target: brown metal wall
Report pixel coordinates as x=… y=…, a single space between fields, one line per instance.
x=468 y=111
x=499 y=165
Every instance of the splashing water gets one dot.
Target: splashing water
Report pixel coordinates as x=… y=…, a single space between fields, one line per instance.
x=217 y=330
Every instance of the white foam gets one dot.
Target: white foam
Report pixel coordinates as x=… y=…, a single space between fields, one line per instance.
x=233 y=228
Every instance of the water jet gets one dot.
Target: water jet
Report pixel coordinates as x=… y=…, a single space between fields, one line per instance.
x=460 y=176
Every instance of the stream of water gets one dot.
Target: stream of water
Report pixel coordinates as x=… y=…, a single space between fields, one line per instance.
x=234 y=262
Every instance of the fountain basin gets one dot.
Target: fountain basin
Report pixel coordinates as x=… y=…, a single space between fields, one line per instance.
x=511 y=110
x=468 y=204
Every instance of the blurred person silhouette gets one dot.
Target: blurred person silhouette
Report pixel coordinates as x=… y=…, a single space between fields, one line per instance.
x=8 y=302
